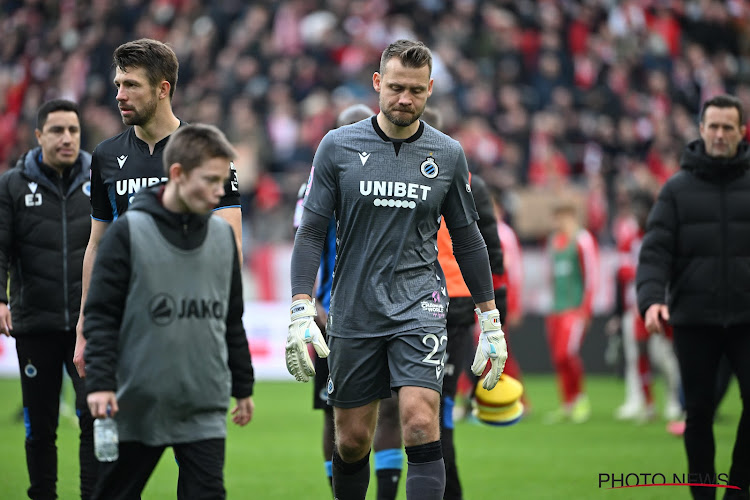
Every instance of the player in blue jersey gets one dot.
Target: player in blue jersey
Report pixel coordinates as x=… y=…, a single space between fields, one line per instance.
x=389 y=181
x=387 y=442
x=145 y=77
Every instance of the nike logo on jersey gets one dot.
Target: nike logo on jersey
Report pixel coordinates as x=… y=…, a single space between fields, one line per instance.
x=121 y=160
x=363 y=157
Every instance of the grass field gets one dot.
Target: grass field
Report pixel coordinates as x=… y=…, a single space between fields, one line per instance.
x=277 y=456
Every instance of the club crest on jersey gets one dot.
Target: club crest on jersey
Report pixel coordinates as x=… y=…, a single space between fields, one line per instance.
x=429 y=168
x=235 y=182
x=86 y=188
x=30 y=370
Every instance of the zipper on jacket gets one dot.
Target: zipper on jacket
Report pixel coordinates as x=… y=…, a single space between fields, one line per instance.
x=724 y=264
x=64 y=199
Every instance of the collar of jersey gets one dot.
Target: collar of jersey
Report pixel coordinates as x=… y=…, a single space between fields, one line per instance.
x=382 y=135
x=161 y=144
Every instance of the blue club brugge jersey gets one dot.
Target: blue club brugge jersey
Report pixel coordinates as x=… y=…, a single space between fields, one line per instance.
x=123 y=164
x=388 y=200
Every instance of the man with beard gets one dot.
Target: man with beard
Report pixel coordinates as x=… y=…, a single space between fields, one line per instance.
x=387 y=441
x=693 y=273
x=145 y=77
x=389 y=181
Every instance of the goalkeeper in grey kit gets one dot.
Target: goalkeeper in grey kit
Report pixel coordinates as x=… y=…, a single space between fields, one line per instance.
x=388 y=181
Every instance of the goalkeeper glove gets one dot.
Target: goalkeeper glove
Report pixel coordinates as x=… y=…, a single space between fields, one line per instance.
x=303 y=331
x=491 y=347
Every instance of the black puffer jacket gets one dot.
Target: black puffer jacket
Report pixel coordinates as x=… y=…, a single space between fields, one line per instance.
x=696 y=252
x=44 y=229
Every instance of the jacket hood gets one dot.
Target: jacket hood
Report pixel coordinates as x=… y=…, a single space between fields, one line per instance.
x=150 y=200
x=29 y=165
x=696 y=160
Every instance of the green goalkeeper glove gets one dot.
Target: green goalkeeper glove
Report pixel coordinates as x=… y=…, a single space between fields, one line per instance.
x=491 y=347
x=303 y=331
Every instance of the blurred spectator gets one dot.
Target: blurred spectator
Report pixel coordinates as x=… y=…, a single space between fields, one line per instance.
x=615 y=85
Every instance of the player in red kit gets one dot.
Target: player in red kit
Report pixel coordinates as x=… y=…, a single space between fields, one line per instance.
x=575 y=269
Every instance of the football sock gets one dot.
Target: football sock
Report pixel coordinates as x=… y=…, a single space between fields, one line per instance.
x=425 y=477
x=329 y=472
x=388 y=465
x=350 y=480
x=452 y=482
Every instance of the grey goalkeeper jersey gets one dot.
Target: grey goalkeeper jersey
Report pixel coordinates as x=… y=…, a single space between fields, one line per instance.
x=388 y=208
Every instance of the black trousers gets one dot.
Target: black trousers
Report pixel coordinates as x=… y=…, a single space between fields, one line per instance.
x=460 y=344
x=699 y=351
x=41 y=359
x=201 y=475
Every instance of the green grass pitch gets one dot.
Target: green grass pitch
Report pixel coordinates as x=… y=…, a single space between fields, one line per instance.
x=278 y=455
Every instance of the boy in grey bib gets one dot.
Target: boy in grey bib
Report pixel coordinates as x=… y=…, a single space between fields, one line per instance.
x=165 y=343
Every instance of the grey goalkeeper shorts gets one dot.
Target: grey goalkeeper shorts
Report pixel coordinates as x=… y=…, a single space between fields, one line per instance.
x=366 y=369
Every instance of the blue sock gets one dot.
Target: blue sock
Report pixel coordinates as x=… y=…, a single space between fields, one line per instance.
x=388 y=465
x=392 y=458
x=329 y=471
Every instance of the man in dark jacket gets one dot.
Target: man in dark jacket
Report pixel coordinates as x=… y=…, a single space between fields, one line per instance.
x=166 y=298
x=693 y=272
x=44 y=226
x=461 y=321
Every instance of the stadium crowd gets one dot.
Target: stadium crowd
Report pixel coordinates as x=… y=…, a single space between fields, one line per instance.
x=594 y=94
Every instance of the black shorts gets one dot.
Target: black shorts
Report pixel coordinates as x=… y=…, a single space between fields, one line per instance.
x=366 y=369
x=459 y=356
x=320 y=384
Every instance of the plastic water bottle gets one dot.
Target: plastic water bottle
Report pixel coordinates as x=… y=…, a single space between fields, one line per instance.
x=106 y=440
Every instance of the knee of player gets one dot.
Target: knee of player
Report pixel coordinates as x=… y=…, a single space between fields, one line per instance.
x=353 y=443
x=560 y=359
x=419 y=427
x=700 y=411
x=388 y=416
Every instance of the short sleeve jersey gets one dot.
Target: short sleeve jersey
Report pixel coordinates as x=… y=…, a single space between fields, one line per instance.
x=123 y=164
x=388 y=200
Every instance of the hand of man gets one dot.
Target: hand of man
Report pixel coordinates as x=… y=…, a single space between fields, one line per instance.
x=303 y=331
x=102 y=404
x=242 y=414
x=656 y=316
x=6 y=320
x=491 y=347
x=78 y=361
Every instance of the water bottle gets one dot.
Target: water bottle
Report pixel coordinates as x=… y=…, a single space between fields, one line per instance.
x=106 y=440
